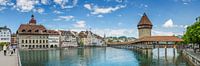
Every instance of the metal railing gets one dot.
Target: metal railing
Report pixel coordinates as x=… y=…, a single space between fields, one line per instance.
x=192 y=58
x=18 y=58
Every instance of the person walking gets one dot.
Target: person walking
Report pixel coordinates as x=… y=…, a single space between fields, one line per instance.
x=11 y=50
x=4 y=49
x=14 y=48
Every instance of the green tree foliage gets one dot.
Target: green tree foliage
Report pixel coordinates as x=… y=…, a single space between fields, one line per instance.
x=3 y=43
x=192 y=34
x=81 y=43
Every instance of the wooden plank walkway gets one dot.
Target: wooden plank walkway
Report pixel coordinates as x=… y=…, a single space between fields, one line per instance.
x=8 y=60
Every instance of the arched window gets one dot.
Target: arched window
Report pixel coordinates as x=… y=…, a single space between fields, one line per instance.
x=36 y=30
x=33 y=41
x=43 y=41
x=23 y=30
x=22 y=41
x=26 y=41
x=51 y=46
x=36 y=41
x=29 y=41
x=29 y=30
x=40 y=41
x=45 y=31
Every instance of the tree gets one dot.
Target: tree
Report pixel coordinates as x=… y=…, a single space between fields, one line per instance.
x=81 y=43
x=3 y=43
x=192 y=34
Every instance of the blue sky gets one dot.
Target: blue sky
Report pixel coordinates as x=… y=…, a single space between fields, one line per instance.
x=110 y=17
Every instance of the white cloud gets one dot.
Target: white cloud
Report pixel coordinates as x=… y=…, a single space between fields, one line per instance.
x=88 y=6
x=119 y=1
x=59 y=1
x=162 y=33
x=100 y=16
x=57 y=12
x=2 y=8
x=99 y=10
x=119 y=24
x=25 y=5
x=168 y=24
x=66 y=18
x=75 y=2
x=114 y=32
x=40 y=10
x=80 y=24
x=3 y=2
x=102 y=10
x=44 y=2
x=64 y=3
x=143 y=6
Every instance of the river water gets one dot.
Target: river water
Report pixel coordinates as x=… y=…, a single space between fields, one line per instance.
x=106 y=56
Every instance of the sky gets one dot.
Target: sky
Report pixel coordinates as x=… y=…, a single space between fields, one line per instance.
x=110 y=17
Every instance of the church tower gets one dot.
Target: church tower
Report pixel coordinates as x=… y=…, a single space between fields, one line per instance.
x=32 y=21
x=144 y=26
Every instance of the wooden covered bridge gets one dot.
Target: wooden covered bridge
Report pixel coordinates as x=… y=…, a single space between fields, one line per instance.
x=149 y=42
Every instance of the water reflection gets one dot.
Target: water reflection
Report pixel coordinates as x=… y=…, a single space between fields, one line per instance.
x=160 y=57
x=95 y=57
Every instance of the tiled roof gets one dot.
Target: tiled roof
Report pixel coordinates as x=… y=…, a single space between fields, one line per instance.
x=53 y=32
x=32 y=21
x=82 y=34
x=5 y=28
x=144 y=20
x=160 y=38
x=31 y=29
x=98 y=37
x=73 y=33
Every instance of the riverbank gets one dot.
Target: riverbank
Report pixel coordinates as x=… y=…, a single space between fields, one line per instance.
x=60 y=48
x=192 y=57
x=9 y=60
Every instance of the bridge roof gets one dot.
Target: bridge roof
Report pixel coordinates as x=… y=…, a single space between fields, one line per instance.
x=160 y=38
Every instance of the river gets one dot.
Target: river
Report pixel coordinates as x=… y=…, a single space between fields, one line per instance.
x=99 y=56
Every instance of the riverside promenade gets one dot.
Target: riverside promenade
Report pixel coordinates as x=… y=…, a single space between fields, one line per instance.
x=9 y=60
x=192 y=57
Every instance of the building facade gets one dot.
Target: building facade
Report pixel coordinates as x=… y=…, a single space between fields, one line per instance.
x=14 y=39
x=5 y=34
x=68 y=38
x=53 y=39
x=32 y=35
x=90 y=39
x=144 y=26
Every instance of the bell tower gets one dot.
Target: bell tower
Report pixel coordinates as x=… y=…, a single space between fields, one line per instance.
x=144 y=26
x=32 y=21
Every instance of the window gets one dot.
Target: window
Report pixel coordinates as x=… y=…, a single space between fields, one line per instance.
x=43 y=41
x=22 y=41
x=40 y=41
x=23 y=30
x=29 y=41
x=46 y=41
x=36 y=41
x=29 y=30
x=36 y=30
x=26 y=41
x=45 y=31
x=33 y=41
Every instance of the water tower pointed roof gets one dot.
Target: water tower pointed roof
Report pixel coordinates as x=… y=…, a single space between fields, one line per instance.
x=144 y=20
